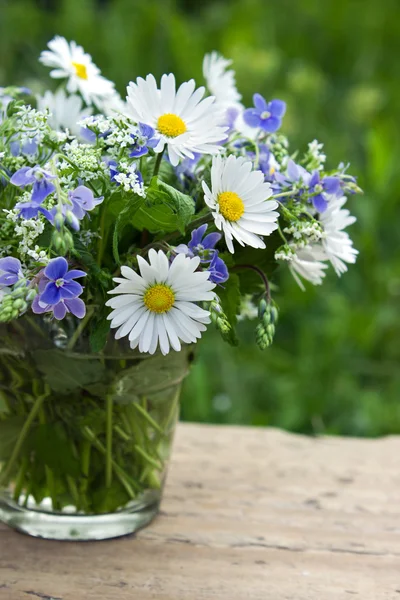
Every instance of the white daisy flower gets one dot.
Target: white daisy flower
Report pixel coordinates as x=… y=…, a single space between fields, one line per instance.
x=70 y=61
x=65 y=111
x=238 y=201
x=308 y=263
x=158 y=307
x=221 y=81
x=184 y=122
x=336 y=243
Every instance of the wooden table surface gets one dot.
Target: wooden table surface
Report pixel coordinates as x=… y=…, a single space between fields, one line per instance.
x=248 y=513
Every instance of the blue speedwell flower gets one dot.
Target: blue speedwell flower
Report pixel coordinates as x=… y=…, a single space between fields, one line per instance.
x=201 y=246
x=266 y=115
x=58 y=292
x=218 y=269
x=42 y=187
x=10 y=271
x=143 y=140
x=322 y=187
x=204 y=247
x=81 y=201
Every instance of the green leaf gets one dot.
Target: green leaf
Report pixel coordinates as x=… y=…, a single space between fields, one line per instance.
x=99 y=334
x=156 y=218
x=108 y=500
x=53 y=448
x=182 y=203
x=9 y=431
x=64 y=373
x=125 y=218
x=167 y=209
x=101 y=276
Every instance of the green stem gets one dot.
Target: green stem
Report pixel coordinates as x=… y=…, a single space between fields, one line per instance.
x=19 y=482
x=75 y=336
x=23 y=433
x=124 y=478
x=101 y=243
x=260 y=273
x=158 y=163
x=148 y=418
x=147 y=457
x=109 y=433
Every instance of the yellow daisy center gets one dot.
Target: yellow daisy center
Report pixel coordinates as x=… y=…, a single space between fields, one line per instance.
x=231 y=206
x=80 y=70
x=159 y=298
x=171 y=125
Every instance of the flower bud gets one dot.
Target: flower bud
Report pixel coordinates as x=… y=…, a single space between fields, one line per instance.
x=58 y=221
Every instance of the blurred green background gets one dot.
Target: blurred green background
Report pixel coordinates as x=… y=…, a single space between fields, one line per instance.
x=334 y=367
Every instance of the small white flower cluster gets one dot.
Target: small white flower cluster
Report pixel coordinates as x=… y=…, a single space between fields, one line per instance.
x=85 y=157
x=316 y=157
x=248 y=310
x=32 y=124
x=87 y=237
x=305 y=231
x=99 y=124
x=286 y=253
x=128 y=178
x=29 y=230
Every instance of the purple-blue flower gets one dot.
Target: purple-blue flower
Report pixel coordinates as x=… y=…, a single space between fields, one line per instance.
x=58 y=292
x=200 y=245
x=218 y=269
x=10 y=271
x=41 y=188
x=81 y=201
x=142 y=141
x=267 y=115
x=295 y=174
x=321 y=187
x=204 y=247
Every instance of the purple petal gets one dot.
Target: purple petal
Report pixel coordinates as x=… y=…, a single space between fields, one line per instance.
x=10 y=265
x=38 y=307
x=331 y=185
x=83 y=196
x=56 y=269
x=277 y=108
x=252 y=118
x=43 y=281
x=73 y=274
x=8 y=279
x=320 y=203
x=314 y=180
x=138 y=152
x=51 y=294
x=41 y=189
x=293 y=170
x=23 y=176
x=271 y=124
x=76 y=306
x=260 y=103
x=211 y=240
x=59 y=311
x=71 y=289
x=197 y=235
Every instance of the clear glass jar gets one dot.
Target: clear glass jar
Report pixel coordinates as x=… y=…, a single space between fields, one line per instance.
x=85 y=436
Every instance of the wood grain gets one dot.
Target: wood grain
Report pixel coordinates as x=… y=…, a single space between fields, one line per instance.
x=248 y=513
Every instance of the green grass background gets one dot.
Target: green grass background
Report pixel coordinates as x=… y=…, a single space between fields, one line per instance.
x=335 y=364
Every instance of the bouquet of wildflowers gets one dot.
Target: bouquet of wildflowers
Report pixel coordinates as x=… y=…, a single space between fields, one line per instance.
x=159 y=214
